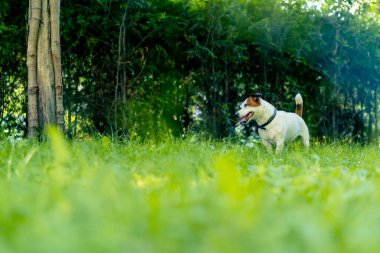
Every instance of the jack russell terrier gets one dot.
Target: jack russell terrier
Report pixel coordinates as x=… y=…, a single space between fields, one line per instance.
x=275 y=127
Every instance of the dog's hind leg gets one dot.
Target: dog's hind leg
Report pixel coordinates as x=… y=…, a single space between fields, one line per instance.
x=305 y=139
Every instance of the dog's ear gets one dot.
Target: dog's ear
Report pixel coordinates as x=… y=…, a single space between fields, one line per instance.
x=254 y=100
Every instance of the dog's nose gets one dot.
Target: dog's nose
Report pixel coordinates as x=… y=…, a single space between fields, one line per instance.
x=237 y=114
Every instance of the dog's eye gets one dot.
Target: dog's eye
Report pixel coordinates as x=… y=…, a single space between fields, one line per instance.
x=245 y=105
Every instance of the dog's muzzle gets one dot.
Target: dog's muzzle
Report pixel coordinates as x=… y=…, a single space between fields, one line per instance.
x=246 y=118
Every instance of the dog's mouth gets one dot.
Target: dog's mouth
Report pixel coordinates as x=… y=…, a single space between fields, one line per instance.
x=246 y=118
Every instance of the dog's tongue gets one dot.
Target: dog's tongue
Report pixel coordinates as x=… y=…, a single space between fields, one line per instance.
x=246 y=118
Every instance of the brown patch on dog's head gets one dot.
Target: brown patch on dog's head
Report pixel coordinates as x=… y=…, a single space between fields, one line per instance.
x=254 y=100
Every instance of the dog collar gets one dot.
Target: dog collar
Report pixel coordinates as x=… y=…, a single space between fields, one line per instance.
x=268 y=122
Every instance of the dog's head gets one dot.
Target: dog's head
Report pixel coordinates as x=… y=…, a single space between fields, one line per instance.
x=249 y=107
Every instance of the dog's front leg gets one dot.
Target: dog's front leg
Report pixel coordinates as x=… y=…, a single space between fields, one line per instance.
x=279 y=146
x=267 y=145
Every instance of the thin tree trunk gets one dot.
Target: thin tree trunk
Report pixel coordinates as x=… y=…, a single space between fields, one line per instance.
x=370 y=115
x=120 y=78
x=45 y=72
x=76 y=102
x=56 y=57
x=335 y=83
x=69 y=101
x=34 y=25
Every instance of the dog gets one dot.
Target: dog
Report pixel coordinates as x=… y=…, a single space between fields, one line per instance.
x=274 y=127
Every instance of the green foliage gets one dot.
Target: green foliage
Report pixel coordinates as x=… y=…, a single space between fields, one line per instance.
x=190 y=195
x=206 y=56
x=12 y=70
x=153 y=114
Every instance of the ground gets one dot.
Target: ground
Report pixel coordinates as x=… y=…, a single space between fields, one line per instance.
x=188 y=195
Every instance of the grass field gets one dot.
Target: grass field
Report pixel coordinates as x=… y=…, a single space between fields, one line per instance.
x=187 y=196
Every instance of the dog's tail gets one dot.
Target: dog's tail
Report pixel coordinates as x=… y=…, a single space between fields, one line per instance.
x=299 y=104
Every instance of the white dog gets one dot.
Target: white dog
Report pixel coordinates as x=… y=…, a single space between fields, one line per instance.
x=275 y=127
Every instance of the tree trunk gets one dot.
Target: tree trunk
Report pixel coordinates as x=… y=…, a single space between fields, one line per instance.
x=45 y=92
x=45 y=72
x=34 y=25
x=334 y=119
x=56 y=56
x=121 y=78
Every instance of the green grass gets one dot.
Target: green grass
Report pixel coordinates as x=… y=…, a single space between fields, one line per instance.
x=187 y=196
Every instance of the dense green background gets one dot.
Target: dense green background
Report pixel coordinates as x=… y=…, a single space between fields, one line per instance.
x=152 y=69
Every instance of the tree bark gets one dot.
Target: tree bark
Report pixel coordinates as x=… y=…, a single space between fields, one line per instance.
x=45 y=72
x=45 y=92
x=56 y=56
x=34 y=25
